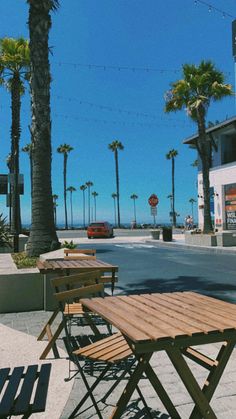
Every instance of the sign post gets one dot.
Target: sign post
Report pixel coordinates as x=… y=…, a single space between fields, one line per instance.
x=153 y=201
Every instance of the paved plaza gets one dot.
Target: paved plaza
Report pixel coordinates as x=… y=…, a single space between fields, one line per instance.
x=19 y=346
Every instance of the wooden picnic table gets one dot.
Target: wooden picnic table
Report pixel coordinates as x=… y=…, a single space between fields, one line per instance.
x=64 y=267
x=173 y=322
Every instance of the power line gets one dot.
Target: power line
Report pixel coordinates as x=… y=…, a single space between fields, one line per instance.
x=213 y=8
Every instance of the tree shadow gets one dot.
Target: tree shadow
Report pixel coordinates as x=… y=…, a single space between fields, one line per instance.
x=222 y=291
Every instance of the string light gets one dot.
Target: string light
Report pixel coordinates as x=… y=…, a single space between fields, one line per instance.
x=114 y=122
x=211 y=8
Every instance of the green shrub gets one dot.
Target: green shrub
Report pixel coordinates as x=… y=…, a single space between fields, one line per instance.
x=22 y=260
x=5 y=237
x=69 y=245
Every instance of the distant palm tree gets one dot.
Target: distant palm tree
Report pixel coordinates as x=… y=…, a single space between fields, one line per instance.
x=114 y=147
x=194 y=163
x=194 y=92
x=82 y=188
x=95 y=194
x=71 y=189
x=192 y=201
x=134 y=197
x=65 y=149
x=55 y=198
x=14 y=69
x=171 y=156
x=43 y=237
x=114 y=196
x=89 y=184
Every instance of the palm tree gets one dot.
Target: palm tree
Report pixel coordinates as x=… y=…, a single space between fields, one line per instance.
x=55 y=198
x=114 y=147
x=71 y=189
x=89 y=184
x=82 y=188
x=192 y=201
x=171 y=156
x=43 y=236
x=199 y=87
x=14 y=68
x=114 y=196
x=95 y=194
x=134 y=197
x=65 y=149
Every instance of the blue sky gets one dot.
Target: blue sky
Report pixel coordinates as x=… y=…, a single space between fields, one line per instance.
x=93 y=105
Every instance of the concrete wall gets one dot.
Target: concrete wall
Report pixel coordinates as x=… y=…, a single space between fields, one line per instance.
x=21 y=291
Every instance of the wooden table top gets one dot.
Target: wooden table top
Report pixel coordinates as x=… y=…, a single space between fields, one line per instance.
x=176 y=317
x=54 y=265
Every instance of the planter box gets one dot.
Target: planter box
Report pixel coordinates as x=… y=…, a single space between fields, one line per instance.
x=200 y=239
x=22 y=243
x=155 y=234
x=226 y=238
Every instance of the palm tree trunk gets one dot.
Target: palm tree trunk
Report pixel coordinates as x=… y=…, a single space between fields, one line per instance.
x=95 y=209
x=43 y=236
x=15 y=136
x=115 y=210
x=71 y=210
x=88 y=205
x=173 y=192
x=117 y=187
x=204 y=150
x=84 y=208
x=65 y=194
x=134 y=211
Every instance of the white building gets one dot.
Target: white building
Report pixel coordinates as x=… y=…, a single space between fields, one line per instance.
x=222 y=175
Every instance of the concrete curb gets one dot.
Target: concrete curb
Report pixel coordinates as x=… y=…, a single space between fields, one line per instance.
x=175 y=244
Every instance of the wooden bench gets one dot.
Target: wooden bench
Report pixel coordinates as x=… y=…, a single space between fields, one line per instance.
x=23 y=392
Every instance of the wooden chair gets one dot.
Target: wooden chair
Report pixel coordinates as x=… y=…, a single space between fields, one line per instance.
x=85 y=281
x=72 y=254
x=110 y=351
x=23 y=392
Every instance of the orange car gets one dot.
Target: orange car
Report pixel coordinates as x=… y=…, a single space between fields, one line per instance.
x=99 y=229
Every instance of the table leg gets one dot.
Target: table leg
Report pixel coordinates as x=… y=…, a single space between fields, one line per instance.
x=130 y=387
x=191 y=385
x=215 y=375
x=162 y=394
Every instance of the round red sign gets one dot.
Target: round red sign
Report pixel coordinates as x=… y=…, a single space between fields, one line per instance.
x=153 y=200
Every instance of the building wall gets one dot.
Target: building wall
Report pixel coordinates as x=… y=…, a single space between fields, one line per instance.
x=219 y=176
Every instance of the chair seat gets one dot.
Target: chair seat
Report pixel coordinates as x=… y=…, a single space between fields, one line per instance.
x=111 y=349
x=73 y=309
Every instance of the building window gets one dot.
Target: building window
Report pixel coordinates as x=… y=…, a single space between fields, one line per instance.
x=228 y=148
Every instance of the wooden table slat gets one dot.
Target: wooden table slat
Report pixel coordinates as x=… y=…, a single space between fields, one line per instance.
x=214 y=310
x=152 y=316
x=167 y=308
x=122 y=323
x=194 y=312
x=224 y=306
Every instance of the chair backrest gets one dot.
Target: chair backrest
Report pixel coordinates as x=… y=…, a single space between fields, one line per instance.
x=73 y=287
x=70 y=254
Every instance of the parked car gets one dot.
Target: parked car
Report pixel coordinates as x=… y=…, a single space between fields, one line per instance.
x=99 y=229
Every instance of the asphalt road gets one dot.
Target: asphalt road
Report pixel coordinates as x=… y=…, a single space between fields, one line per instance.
x=145 y=268
x=117 y=233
